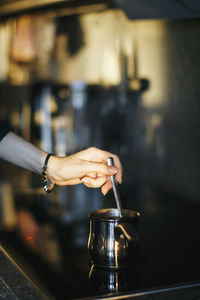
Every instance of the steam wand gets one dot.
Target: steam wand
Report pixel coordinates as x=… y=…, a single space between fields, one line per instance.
x=110 y=162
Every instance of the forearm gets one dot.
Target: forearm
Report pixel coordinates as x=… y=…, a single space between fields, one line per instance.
x=88 y=166
x=22 y=153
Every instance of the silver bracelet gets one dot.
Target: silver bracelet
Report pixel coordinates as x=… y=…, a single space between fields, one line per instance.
x=47 y=188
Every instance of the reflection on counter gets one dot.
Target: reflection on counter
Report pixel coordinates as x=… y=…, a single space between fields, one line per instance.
x=102 y=281
x=49 y=242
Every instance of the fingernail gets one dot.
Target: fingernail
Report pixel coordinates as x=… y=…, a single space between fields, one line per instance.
x=104 y=192
x=120 y=181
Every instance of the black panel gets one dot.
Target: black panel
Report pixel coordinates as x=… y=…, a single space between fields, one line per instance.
x=156 y=9
x=193 y=4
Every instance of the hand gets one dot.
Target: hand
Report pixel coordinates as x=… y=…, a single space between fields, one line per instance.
x=88 y=167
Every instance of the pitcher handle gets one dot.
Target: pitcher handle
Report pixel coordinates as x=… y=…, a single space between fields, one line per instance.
x=128 y=231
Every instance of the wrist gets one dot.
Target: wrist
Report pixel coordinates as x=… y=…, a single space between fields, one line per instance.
x=52 y=168
x=48 y=187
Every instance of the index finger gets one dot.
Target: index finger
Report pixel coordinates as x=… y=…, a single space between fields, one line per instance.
x=97 y=155
x=104 y=155
x=118 y=164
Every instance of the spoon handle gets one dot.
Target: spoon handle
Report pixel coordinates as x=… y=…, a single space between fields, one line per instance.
x=110 y=162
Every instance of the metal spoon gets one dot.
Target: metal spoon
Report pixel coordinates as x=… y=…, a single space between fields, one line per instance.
x=110 y=162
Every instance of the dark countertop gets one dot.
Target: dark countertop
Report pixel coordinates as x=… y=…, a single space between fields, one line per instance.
x=180 y=292
x=13 y=283
x=168 y=260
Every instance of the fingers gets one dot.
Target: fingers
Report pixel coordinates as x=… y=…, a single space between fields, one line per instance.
x=93 y=154
x=106 y=187
x=69 y=182
x=117 y=163
x=101 y=181
x=92 y=180
x=93 y=174
x=104 y=169
x=93 y=183
x=88 y=167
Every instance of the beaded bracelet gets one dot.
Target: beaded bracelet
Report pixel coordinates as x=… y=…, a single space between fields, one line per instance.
x=47 y=188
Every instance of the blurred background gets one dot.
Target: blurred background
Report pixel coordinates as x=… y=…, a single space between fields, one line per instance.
x=72 y=78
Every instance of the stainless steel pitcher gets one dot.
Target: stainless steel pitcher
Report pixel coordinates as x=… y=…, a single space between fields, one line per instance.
x=113 y=239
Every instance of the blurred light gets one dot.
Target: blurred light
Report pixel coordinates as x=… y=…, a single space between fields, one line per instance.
x=156 y=120
x=64 y=93
x=29 y=238
x=151 y=59
x=24 y=4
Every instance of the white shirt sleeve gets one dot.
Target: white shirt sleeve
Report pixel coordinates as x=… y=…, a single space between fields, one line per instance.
x=22 y=153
